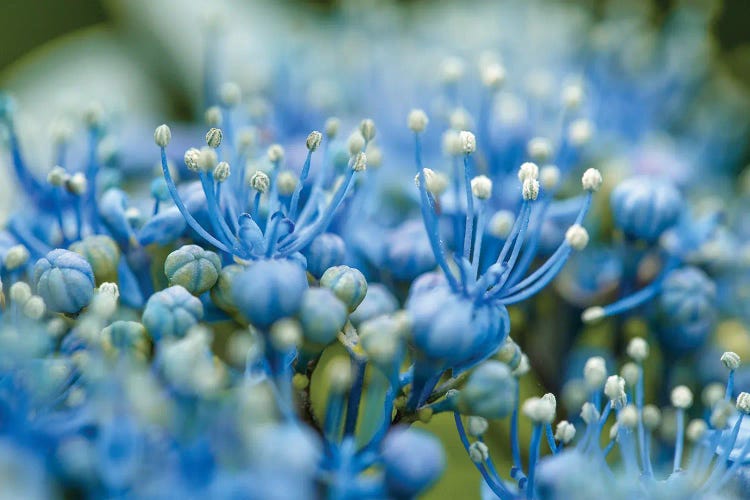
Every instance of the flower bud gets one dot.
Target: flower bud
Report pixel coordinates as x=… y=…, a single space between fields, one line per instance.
x=221 y=172
x=731 y=360
x=565 y=432
x=275 y=153
x=192 y=157
x=681 y=397
x=214 y=137
x=313 y=140
x=638 y=349
x=577 y=237
x=171 y=313
x=331 y=127
x=162 y=136
x=481 y=187
x=591 y=180
x=367 y=129
x=477 y=426
x=467 y=141
x=260 y=181
x=347 y=283
x=322 y=316
x=595 y=372
x=193 y=268
x=64 y=280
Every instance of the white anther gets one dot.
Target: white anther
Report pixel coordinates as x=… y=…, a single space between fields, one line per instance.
x=501 y=223
x=417 y=120
x=15 y=257
x=477 y=426
x=614 y=389
x=638 y=349
x=712 y=393
x=222 y=171
x=19 y=293
x=207 y=159
x=528 y=170
x=577 y=237
x=478 y=452
x=355 y=143
x=696 y=429
x=572 y=95
x=481 y=187
x=214 y=116
x=285 y=334
x=331 y=127
x=358 y=162
x=451 y=143
x=34 y=308
x=111 y=289
x=468 y=142
x=367 y=129
x=57 y=176
x=192 y=158
x=565 y=432
x=743 y=402
x=731 y=360
x=530 y=189
x=538 y=410
x=591 y=180
x=681 y=397
x=651 y=416
x=592 y=314
x=230 y=94
x=77 y=184
x=539 y=149
x=214 y=137
x=631 y=373
x=275 y=153
x=162 y=135
x=493 y=76
x=549 y=177
x=313 y=140
x=589 y=413
x=451 y=70
x=628 y=417
x=580 y=132
x=260 y=181
x=339 y=373
x=286 y=183
x=595 y=372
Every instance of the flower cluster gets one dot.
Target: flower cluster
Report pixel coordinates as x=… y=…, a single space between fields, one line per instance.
x=286 y=305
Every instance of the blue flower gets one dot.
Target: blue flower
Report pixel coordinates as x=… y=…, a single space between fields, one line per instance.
x=171 y=313
x=412 y=461
x=193 y=268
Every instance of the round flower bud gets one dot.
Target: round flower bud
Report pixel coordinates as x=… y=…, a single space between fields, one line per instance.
x=207 y=159
x=412 y=460
x=77 y=184
x=743 y=401
x=17 y=256
x=285 y=334
x=549 y=177
x=644 y=207
x=651 y=416
x=509 y=353
x=230 y=94
x=638 y=349
x=34 y=308
x=467 y=141
x=214 y=116
x=64 y=280
x=162 y=136
x=538 y=410
x=478 y=452
x=19 y=293
x=286 y=182
x=681 y=397
x=591 y=180
x=214 y=137
x=322 y=316
x=630 y=373
x=528 y=170
x=417 y=120
x=58 y=176
x=269 y=290
x=339 y=374
x=222 y=171
x=577 y=237
x=367 y=129
x=565 y=432
x=377 y=302
x=358 y=162
x=103 y=253
x=331 y=127
x=326 y=250
x=477 y=426
x=696 y=429
x=192 y=157
x=687 y=307
x=313 y=140
x=260 y=181
x=481 y=187
x=382 y=339
x=614 y=389
x=530 y=189
x=595 y=372
x=490 y=391
x=221 y=293
x=539 y=149
x=355 y=143
x=501 y=223
x=193 y=268
x=347 y=283
x=171 y=313
x=275 y=153
x=731 y=360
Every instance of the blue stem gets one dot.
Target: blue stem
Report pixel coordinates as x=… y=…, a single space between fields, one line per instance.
x=536 y=435
x=214 y=212
x=194 y=225
x=469 y=229
x=680 y=440
x=495 y=484
x=297 y=190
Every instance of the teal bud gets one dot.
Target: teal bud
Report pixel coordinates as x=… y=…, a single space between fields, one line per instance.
x=377 y=302
x=490 y=391
x=347 y=283
x=221 y=293
x=102 y=253
x=384 y=339
x=193 y=268
x=322 y=316
x=171 y=312
x=64 y=280
x=127 y=337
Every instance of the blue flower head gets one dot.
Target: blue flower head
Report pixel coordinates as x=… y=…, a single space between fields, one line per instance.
x=412 y=461
x=64 y=280
x=644 y=207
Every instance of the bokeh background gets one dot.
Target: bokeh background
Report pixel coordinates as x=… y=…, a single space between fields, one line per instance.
x=78 y=41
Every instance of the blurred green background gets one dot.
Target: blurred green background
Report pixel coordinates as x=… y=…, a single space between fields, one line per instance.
x=30 y=24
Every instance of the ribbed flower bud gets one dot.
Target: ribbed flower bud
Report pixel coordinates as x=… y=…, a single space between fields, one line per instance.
x=731 y=360
x=260 y=181
x=192 y=157
x=222 y=171
x=367 y=129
